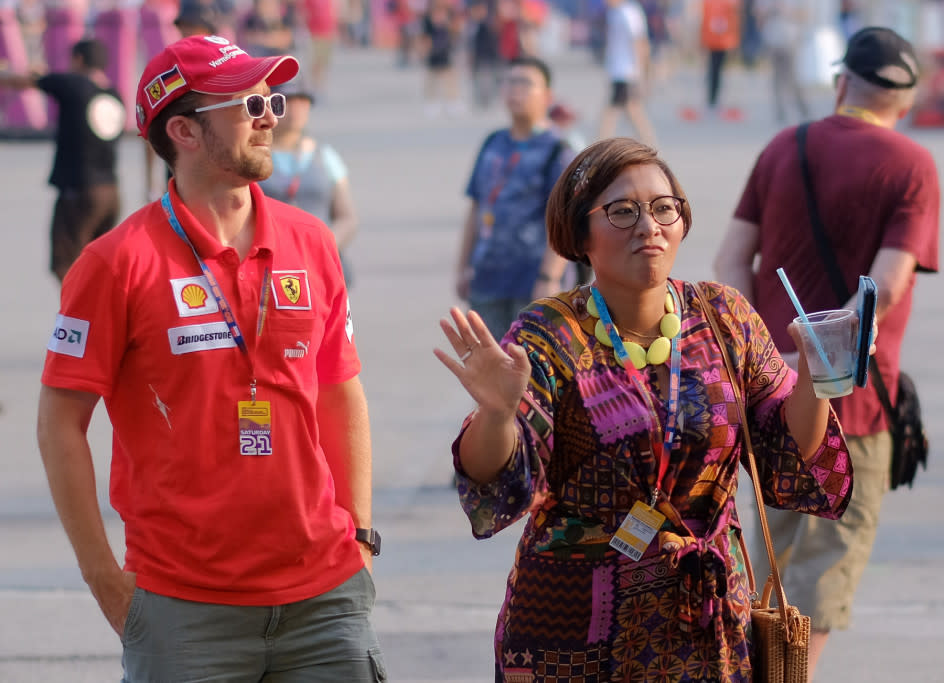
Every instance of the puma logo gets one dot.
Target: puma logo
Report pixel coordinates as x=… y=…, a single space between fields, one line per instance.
x=300 y=350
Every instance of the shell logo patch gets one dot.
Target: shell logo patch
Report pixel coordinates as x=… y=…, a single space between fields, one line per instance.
x=192 y=296
x=290 y=290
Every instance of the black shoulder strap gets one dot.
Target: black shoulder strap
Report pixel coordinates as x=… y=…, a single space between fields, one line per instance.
x=488 y=140
x=832 y=267
x=819 y=232
x=552 y=159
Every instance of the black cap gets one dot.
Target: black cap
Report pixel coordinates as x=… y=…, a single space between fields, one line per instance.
x=881 y=56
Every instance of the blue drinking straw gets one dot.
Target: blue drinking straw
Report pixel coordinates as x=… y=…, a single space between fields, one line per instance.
x=796 y=304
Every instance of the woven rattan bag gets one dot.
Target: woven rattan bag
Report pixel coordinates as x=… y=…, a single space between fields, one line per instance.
x=780 y=641
x=780 y=636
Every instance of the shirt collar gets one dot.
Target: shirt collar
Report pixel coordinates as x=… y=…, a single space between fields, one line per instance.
x=210 y=247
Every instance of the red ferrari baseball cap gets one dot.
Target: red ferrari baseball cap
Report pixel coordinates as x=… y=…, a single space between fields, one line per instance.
x=204 y=64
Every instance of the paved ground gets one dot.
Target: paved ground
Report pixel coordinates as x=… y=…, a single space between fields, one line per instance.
x=438 y=589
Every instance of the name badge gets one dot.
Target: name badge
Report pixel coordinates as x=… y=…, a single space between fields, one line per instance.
x=637 y=530
x=255 y=428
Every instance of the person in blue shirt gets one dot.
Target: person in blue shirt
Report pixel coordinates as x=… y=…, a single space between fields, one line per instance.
x=504 y=262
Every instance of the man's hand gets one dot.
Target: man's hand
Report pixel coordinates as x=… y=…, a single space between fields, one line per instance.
x=114 y=595
x=368 y=557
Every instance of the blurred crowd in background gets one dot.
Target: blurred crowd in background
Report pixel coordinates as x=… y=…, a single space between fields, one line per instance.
x=460 y=42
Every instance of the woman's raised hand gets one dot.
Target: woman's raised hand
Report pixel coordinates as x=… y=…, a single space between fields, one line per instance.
x=494 y=377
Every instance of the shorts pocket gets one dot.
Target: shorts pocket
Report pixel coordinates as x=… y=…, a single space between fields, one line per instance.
x=371 y=586
x=129 y=632
x=377 y=664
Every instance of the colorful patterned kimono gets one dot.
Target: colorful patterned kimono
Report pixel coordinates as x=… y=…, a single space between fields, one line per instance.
x=575 y=608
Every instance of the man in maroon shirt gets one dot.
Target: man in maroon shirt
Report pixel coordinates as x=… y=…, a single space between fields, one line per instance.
x=878 y=196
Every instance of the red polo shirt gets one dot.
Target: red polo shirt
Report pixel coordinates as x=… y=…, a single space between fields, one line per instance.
x=139 y=326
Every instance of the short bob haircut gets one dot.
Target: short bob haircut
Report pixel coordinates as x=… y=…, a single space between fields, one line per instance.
x=587 y=176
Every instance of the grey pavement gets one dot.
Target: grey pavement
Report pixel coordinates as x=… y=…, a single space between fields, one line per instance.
x=438 y=589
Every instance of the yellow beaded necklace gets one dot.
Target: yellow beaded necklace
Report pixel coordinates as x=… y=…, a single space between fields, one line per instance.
x=658 y=352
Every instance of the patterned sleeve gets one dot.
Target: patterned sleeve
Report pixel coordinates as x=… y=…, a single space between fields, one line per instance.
x=495 y=505
x=822 y=485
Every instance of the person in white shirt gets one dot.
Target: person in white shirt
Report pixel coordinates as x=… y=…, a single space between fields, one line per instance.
x=626 y=60
x=782 y=23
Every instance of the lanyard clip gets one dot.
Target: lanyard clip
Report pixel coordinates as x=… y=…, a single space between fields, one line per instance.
x=252 y=390
x=654 y=499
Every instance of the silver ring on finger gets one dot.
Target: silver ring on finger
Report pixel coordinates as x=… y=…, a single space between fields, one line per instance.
x=465 y=356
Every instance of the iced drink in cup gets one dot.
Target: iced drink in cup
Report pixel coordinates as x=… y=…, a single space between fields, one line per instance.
x=829 y=342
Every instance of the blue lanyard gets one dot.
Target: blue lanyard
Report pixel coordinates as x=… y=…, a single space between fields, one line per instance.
x=675 y=363
x=225 y=309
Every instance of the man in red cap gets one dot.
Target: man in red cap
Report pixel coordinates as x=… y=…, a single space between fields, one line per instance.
x=216 y=326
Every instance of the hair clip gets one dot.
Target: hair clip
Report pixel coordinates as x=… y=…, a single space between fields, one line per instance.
x=582 y=176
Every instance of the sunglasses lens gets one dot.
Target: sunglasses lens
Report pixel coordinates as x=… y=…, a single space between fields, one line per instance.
x=255 y=105
x=277 y=104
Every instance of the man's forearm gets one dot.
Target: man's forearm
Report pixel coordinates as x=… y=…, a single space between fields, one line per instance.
x=467 y=240
x=642 y=57
x=68 y=461
x=734 y=261
x=344 y=430
x=17 y=81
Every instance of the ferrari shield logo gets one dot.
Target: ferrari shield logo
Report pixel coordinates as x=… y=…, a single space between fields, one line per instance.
x=155 y=91
x=290 y=289
x=291 y=286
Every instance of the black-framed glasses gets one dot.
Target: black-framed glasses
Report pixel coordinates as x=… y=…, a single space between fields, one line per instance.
x=255 y=105
x=625 y=213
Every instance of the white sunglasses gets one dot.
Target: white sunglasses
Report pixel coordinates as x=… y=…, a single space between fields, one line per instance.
x=255 y=105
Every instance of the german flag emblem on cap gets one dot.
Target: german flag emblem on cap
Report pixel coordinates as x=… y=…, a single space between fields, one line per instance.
x=163 y=85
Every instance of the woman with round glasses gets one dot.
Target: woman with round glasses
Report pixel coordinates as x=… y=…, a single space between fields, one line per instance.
x=607 y=416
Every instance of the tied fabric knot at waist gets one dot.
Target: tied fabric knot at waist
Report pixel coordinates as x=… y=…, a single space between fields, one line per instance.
x=702 y=563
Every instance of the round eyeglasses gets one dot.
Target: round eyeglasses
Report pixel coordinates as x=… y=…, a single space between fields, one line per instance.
x=625 y=213
x=255 y=105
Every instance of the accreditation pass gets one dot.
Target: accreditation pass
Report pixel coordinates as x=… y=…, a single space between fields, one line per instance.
x=255 y=428
x=637 y=530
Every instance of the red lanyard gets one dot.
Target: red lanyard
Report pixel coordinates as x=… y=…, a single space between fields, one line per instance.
x=508 y=167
